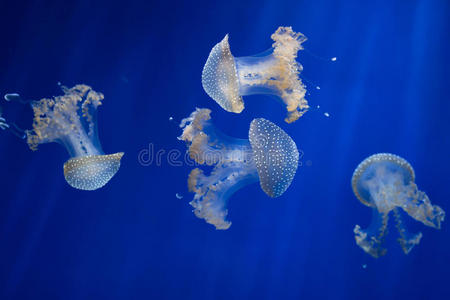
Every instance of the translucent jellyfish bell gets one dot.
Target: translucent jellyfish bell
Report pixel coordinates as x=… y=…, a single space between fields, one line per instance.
x=269 y=156
x=71 y=120
x=385 y=182
x=226 y=78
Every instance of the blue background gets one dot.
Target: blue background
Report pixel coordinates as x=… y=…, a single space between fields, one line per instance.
x=387 y=92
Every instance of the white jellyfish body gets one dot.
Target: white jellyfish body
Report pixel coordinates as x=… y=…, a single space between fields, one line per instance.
x=71 y=120
x=269 y=156
x=385 y=182
x=226 y=78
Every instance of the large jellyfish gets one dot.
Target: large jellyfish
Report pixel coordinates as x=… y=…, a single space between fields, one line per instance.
x=269 y=156
x=275 y=72
x=385 y=182
x=71 y=120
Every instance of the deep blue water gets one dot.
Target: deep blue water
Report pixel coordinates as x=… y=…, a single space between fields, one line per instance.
x=388 y=91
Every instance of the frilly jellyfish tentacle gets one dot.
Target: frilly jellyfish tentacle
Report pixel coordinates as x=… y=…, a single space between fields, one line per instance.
x=419 y=207
x=237 y=163
x=385 y=182
x=372 y=238
x=213 y=191
x=232 y=171
x=207 y=145
x=406 y=240
x=276 y=72
x=70 y=120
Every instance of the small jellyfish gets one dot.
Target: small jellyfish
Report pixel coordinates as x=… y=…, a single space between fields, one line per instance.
x=276 y=72
x=269 y=156
x=71 y=120
x=385 y=182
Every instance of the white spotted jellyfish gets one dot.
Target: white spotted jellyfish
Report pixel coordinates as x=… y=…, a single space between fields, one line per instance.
x=385 y=182
x=71 y=120
x=269 y=156
x=226 y=78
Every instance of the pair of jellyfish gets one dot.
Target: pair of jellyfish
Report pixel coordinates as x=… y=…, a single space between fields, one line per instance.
x=385 y=182
x=71 y=120
x=269 y=156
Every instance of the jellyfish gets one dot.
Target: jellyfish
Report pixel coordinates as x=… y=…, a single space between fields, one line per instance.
x=275 y=72
x=71 y=120
x=269 y=156
x=385 y=182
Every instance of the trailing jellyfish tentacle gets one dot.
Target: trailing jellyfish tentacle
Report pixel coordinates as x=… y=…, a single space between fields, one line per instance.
x=406 y=239
x=372 y=238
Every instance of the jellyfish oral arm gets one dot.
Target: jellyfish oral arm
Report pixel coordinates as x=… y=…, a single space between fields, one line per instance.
x=234 y=169
x=256 y=75
x=371 y=239
x=406 y=239
x=273 y=75
x=80 y=144
x=212 y=192
x=419 y=207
